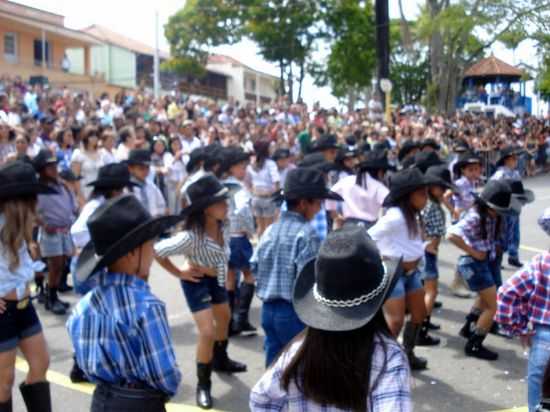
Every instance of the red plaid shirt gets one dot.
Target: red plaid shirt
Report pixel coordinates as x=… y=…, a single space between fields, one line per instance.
x=524 y=300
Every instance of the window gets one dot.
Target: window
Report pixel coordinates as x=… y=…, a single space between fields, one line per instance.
x=38 y=53
x=10 y=47
x=252 y=85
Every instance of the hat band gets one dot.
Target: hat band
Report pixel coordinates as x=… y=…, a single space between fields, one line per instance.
x=350 y=303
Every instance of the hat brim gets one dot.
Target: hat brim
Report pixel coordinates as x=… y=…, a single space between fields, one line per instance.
x=89 y=262
x=108 y=183
x=528 y=196
x=204 y=203
x=307 y=194
x=25 y=189
x=434 y=180
x=137 y=163
x=338 y=319
x=513 y=209
x=392 y=198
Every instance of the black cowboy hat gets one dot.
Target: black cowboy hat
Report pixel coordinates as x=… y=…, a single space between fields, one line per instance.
x=317 y=161
x=233 y=155
x=466 y=158
x=497 y=195
x=507 y=152
x=375 y=160
x=213 y=155
x=520 y=192
x=44 y=158
x=440 y=175
x=117 y=227
x=423 y=160
x=139 y=157
x=407 y=147
x=281 y=154
x=18 y=179
x=69 y=176
x=305 y=183
x=325 y=142
x=195 y=157
x=460 y=146
x=345 y=153
x=114 y=175
x=402 y=183
x=203 y=193
x=430 y=143
x=346 y=285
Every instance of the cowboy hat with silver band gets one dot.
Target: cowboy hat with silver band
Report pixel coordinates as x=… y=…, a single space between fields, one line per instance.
x=497 y=195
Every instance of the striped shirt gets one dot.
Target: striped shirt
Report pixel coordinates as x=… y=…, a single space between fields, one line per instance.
x=199 y=249
x=391 y=394
x=525 y=298
x=120 y=335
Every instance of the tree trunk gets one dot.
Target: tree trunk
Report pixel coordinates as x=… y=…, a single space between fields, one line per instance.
x=352 y=99
x=302 y=75
x=282 y=87
x=290 y=83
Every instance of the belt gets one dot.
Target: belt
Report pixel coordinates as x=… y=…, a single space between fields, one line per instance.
x=133 y=391
x=263 y=195
x=52 y=229
x=19 y=304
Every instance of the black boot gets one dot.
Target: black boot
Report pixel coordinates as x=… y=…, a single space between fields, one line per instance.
x=246 y=295
x=468 y=327
x=233 y=329
x=514 y=262
x=221 y=361
x=36 y=396
x=474 y=347
x=423 y=338
x=432 y=326
x=6 y=406
x=41 y=293
x=63 y=285
x=77 y=375
x=53 y=303
x=410 y=335
x=204 y=385
x=438 y=304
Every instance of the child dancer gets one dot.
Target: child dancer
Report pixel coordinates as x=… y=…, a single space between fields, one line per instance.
x=477 y=235
x=19 y=323
x=523 y=309
x=202 y=243
x=433 y=217
x=467 y=172
x=398 y=234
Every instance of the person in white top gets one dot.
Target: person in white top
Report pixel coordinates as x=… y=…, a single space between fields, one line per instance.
x=263 y=180
x=107 y=150
x=127 y=142
x=189 y=141
x=86 y=161
x=139 y=165
x=398 y=234
x=363 y=194
x=175 y=176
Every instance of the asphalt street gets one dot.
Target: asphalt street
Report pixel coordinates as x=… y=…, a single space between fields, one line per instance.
x=452 y=383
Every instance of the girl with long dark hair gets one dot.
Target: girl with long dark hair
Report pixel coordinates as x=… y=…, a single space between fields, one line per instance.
x=347 y=358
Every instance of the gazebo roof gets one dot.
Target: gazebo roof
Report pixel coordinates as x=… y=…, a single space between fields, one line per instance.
x=493 y=67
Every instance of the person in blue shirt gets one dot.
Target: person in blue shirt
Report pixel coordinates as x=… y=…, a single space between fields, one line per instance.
x=119 y=329
x=283 y=250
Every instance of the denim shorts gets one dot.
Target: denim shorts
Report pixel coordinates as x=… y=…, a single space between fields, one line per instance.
x=406 y=284
x=17 y=325
x=241 y=252
x=477 y=274
x=55 y=244
x=431 y=271
x=204 y=294
x=263 y=207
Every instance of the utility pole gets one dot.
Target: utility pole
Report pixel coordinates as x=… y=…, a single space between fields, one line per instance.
x=382 y=42
x=156 y=72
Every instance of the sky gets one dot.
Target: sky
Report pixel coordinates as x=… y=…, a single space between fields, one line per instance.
x=136 y=19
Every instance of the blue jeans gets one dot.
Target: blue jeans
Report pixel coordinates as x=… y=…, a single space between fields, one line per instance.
x=512 y=236
x=539 y=355
x=281 y=325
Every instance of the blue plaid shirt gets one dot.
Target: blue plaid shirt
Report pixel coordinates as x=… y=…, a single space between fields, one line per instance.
x=120 y=335
x=392 y=392
x=284 y=249
x=469 y=229
x=319 y=221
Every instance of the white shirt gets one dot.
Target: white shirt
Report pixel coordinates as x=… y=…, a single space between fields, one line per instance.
x=79 y=229
x=107 y=157
x=89 y=168
x=19 y=277
x=392 y=237
x=188 y=145
x=153 y=201
x=360 y=202
x=122 y=152
x=265 y=178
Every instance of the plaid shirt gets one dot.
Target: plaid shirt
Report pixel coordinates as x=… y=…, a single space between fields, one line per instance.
x=524 y=298
x=434 y=220
x=391 y=394
x=504 y=172
x=120 y=335
x=319 y=222
x=469 y=229
x=284 y=249
x=464 y=199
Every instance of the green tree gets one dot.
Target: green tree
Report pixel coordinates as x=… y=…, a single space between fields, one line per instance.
x=350 y=27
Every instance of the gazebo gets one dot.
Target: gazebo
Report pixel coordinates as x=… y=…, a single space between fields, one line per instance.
x=499 y=76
